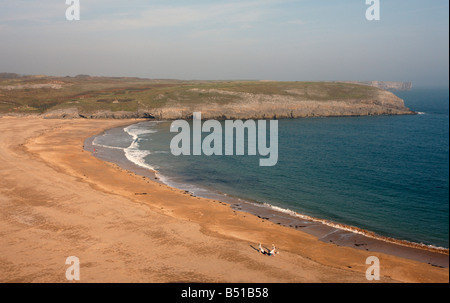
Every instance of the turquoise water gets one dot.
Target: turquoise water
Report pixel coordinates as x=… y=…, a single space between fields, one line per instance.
x=386 y=174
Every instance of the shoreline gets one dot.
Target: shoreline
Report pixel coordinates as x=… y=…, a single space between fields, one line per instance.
x=58 y=200
x=325 y=230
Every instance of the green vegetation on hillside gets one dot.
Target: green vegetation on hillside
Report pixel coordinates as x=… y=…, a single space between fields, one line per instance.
x=38 y=94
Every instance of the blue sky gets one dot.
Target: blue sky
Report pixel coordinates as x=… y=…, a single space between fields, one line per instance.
x=297 y=40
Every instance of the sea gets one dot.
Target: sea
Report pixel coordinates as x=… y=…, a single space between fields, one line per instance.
x=384 y=174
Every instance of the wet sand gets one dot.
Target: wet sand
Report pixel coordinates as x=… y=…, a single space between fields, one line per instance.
x=57 y=200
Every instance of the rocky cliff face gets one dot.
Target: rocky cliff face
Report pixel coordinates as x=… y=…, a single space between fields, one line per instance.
x=257 y=106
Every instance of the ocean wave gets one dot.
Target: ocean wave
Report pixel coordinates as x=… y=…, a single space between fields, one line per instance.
x=137 y=157
x=132 y=152
x=135 y=131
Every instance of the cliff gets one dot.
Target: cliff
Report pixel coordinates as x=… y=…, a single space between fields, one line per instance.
x=118 y=98
x=259 y=106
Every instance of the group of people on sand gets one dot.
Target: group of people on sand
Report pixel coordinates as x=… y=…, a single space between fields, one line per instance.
x=270 y=253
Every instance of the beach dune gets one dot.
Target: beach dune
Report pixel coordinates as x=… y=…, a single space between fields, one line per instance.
x=57 y=200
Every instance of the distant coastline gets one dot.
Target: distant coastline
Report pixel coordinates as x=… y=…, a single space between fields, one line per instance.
x=85 y=97
x=386 y=85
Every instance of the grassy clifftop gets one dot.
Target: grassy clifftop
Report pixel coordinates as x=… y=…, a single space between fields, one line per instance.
x=99 y=97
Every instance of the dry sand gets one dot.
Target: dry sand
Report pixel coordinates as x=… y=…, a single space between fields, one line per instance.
x=57 y=200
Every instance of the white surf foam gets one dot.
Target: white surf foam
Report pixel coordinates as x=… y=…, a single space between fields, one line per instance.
x=132 y=152
x=135 y=131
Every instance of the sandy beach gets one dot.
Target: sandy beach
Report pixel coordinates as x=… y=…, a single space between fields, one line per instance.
x=57 y=200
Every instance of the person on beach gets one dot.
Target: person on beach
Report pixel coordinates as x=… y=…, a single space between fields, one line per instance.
x=261 y=250
x=273 y=251
x=270 y=253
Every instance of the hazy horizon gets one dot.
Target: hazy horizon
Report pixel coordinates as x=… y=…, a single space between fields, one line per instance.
x=282 y=40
